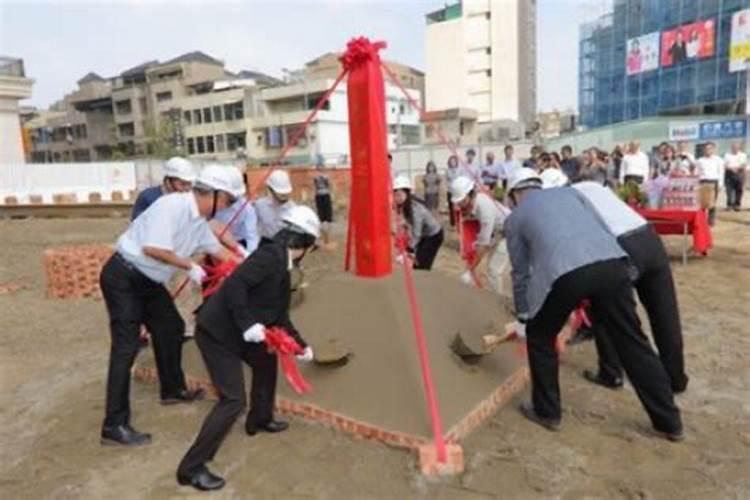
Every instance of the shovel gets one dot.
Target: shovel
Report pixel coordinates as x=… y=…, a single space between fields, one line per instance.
x=471 y=353
x=332 y=353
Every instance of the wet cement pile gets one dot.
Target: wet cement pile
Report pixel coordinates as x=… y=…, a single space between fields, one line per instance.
x=382 y=382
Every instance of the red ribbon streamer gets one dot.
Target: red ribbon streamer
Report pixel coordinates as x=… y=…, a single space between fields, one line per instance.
x=280 y=342
x=216 y=273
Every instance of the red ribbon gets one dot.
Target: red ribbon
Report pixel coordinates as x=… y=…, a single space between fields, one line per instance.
x=216 y=273
x=358 y=51
x=280 y=342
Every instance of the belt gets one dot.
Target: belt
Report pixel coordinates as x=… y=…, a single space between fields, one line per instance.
x=131 y=267
x=709 y=181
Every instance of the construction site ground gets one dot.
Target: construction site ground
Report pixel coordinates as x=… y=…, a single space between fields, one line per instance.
x=53 y=358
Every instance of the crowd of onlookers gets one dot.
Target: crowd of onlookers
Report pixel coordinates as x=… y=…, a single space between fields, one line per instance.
x=625 y=165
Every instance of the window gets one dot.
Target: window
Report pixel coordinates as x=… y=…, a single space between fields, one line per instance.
x=220 y=143
x=143 y=105
x=233 y=111
x=236 y=140
x=209 y=144
x=489 y=72
x=123 y=107
x=191 y=145
x=201 y=146
x=401 y=109
x=488 y=50
x=217 y=114
x=81 y=155
x=188 y=117
x=197 y=117
x=126 y=129
x=207 y=115
x=164 y=96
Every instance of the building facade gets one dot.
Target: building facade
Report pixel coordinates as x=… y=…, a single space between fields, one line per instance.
x=661 y=57
x=481 y=55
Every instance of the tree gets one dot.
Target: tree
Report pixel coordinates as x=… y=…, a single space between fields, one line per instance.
x=161 y=139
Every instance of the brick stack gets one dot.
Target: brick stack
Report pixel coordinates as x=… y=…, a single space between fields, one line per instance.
x=73 y=271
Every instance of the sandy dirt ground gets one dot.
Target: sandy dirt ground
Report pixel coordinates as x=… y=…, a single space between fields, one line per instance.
x=53 y=357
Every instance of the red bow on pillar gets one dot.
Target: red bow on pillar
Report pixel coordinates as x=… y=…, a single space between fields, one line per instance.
x=358 y=51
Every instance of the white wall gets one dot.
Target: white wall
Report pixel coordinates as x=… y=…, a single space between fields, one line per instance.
x=445 y=77
x=11 y=145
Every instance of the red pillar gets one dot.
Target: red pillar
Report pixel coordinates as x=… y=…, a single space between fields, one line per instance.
x=370 y=196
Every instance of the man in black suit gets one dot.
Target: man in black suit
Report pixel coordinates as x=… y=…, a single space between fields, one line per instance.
x=678 y=50
x=231 y=329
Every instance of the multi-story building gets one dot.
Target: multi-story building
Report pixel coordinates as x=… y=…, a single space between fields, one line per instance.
x=481 y=55
x=660 y=57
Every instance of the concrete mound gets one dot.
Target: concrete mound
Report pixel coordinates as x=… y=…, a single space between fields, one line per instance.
x=378 y=394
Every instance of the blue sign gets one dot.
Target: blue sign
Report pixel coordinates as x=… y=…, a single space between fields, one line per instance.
x=726 y=129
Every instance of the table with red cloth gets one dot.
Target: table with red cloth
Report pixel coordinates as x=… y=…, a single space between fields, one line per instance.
x=684 y=222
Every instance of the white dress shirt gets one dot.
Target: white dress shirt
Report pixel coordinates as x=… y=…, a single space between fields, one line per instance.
x=270 y=215
x=634 y=164
x=617 y=215
x=491 y=216
x=171 y=223
x=735 y=162
x=711 y=168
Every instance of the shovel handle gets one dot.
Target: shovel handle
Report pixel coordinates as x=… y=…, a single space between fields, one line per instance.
x=492 y=341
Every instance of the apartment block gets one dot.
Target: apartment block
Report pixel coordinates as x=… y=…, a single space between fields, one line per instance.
x=481 y=55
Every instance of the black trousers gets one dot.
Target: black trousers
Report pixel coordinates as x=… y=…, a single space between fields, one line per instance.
x=607 y=285
x=224 y=364
x=656 y=291
x=451 y=212
x=735 y=185
x=133 y=300
x=427 y=250
x=324 y=206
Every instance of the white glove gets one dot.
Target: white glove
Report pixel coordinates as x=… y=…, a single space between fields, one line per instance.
x=242 y=252
x=307 y=355
x=467 y=278
x=256 y=333
x=196 y=274
x=520 y=330
x=400 y=259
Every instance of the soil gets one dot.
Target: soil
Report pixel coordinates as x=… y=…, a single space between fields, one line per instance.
x=53 y=358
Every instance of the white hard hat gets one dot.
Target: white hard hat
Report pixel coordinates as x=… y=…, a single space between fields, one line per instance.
x=524 y=177
x=179 y=168
x=553 y=177
x=402 y=182
x=303 y=219
x=279 y=182
x=217 y=178
x=239 y=188
x=460 y=188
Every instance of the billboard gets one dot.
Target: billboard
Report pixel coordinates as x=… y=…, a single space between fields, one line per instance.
x=725 y=129
x=739 y=45
x=688 y=42
x=642 y=53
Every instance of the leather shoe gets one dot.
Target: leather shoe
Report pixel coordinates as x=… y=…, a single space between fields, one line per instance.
x=184 y=396
x=528 y=411
x=203 y=480
x=673 y=436
x=273 y=427
x=123 y=435
x=598 y=379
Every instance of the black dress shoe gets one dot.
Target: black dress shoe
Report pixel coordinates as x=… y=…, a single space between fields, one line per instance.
x=598 y=379
x=673 y=436
x=123 y=435
x=528 y=411
x=184 y=396
x=273 y=427
x=203 y=480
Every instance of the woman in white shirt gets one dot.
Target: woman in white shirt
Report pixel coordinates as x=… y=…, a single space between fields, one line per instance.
x=711 y=173
x=735 y=163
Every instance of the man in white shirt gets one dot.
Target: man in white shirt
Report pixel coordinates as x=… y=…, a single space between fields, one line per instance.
x=490 y=172
x=272 y=208
x=711 y=172
x=158 y=243
x=471 y=169
x=491 y=216
x=635 y=165
x=654 y=284
x=687 y=159
x=735 y=163
x=508 y=166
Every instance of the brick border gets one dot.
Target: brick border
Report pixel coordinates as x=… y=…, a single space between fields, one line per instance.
x=365 y=430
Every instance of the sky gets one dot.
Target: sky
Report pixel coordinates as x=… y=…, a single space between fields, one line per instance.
x=61 y=41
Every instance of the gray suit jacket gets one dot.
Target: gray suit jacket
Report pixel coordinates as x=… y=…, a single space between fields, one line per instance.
x=551 y=233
